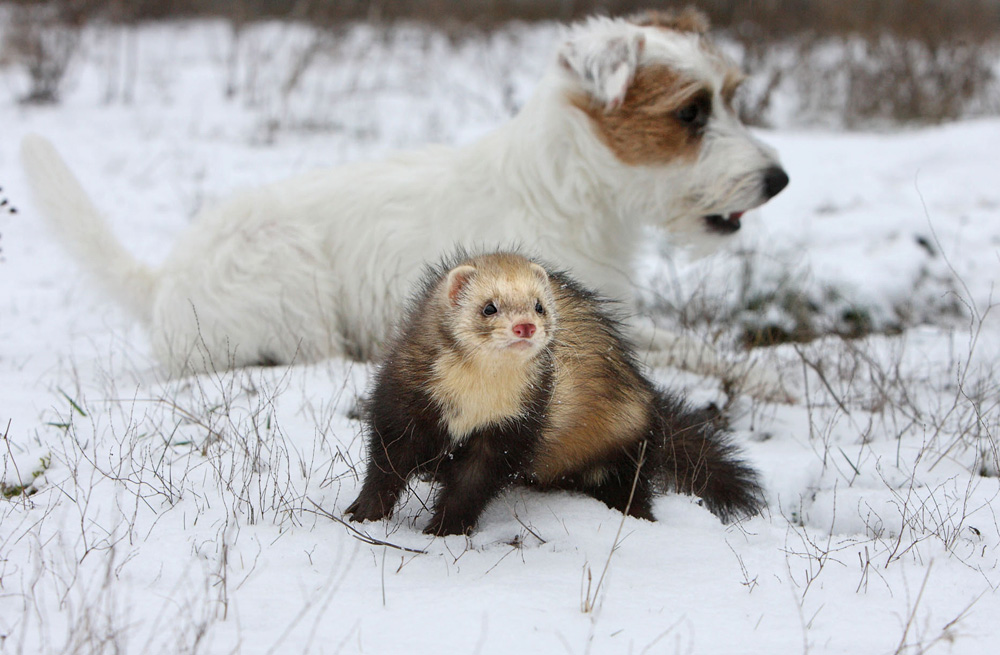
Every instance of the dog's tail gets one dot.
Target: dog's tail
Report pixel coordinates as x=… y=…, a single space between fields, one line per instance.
x=695 y=457
x=83 y=230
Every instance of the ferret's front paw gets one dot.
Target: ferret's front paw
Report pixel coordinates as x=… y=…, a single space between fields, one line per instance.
x=442 y=526
x=367 y=508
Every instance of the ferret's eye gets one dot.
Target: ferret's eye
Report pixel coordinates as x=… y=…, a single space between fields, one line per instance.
x=538 y=307
x=490 y=309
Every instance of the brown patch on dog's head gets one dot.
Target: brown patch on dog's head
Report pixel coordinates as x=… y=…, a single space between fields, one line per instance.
x=661 y=120
x=693 y=21
x=688 y=19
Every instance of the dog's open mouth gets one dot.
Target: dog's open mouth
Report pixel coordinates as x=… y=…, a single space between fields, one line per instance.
x=724 y=224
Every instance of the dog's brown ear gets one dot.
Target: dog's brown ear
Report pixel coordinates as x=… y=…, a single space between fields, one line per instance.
x=688 y=19
x=603 y=56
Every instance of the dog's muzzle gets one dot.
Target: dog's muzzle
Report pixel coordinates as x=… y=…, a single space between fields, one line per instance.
x=724 y=224
x=774 y=181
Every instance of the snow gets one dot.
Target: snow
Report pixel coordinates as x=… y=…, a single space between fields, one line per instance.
x=204 y=514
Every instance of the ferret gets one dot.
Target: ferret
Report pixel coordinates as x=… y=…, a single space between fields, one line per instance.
x=505 y=372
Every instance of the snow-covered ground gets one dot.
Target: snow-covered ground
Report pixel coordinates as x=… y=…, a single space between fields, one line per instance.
x=203 y=514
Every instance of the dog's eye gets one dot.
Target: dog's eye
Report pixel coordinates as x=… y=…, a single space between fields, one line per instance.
x=490 y=309
x=538 y=307
x=694 y=114
x=690 y=114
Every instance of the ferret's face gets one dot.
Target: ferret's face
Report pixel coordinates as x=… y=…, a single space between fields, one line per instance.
x=501 y=305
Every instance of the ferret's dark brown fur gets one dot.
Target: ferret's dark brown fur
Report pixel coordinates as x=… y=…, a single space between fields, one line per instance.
x=505 y=372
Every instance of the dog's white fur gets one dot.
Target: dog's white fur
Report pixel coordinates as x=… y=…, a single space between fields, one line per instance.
x=320 y=265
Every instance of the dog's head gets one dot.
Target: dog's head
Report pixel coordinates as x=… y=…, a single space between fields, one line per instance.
x=659 y=97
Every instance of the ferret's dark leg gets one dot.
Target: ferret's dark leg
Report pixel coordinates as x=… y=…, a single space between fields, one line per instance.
x=624 y=485
x=486 y=463
x=385 y=479
x=393 y=456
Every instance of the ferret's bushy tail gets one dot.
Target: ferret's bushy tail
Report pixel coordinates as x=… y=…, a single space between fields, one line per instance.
x=695 y=457
x=83 y=230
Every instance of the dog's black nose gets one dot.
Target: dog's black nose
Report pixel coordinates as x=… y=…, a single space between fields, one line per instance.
x=775 y=179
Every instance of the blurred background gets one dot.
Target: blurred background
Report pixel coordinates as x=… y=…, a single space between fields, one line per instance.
x=846 y=63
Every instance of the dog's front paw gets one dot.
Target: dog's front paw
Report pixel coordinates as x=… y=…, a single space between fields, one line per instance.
x=760 y=382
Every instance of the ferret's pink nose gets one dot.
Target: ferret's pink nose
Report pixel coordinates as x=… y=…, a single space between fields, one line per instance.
x=524 y=330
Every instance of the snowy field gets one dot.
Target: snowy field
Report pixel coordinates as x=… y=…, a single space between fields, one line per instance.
x=203 y=514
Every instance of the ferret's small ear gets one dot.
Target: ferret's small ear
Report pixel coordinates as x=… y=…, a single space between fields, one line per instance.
x=604 y=59
x=542 y=274
x=458 y=277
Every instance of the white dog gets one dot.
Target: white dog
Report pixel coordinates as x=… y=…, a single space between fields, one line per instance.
x=632 y=125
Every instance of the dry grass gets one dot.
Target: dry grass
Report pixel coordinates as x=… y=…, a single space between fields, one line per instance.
x=895 y=61
x=920 y=19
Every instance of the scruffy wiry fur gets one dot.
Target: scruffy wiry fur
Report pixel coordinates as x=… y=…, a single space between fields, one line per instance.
x=632 y=126
x=585 y=418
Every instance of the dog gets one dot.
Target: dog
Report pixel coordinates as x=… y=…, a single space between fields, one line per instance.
x=631 y=126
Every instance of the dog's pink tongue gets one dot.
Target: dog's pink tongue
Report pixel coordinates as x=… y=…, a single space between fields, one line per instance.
x=736 y=216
